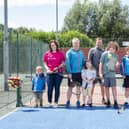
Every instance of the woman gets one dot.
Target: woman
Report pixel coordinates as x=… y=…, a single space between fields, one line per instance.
x=54 y=61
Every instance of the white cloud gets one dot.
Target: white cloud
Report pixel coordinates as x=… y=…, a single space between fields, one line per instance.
x=36 y=2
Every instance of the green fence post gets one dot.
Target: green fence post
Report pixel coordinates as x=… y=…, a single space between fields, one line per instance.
x=41 y=53
x=19 y=97
x=10 y=52
x=17 y=64
x=31 y=57
x=17 y=52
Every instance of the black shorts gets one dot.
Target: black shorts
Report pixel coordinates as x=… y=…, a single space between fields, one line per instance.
x=126 y=82
x=97 y=79
x=76 y=77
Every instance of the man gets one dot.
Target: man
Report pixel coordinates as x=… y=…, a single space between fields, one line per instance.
x=94 y=55
x=74 y=63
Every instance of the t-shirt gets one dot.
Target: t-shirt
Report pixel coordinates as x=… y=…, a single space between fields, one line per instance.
x=94 y=55
x=88 y=74
x=109 y=61
x=124 y=66
x=54 y=59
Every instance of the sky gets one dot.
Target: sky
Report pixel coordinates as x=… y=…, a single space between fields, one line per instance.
x=38 y=14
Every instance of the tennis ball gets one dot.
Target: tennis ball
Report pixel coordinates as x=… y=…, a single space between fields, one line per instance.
x=118 y=111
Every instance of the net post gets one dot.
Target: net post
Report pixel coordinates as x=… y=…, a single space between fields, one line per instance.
x=19 y=97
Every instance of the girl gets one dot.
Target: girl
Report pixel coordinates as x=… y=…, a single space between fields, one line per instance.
x=88 y=76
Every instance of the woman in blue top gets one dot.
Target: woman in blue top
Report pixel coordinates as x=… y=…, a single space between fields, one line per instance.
x=74 y=63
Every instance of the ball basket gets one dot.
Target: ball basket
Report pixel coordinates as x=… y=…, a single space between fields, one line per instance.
x=14 y=82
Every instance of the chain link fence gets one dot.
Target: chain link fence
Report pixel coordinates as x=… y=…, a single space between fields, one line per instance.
x=25 y=53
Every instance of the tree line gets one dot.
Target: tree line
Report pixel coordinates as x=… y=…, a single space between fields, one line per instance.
x=87 y=20
x=64 y=38
x=106 y=18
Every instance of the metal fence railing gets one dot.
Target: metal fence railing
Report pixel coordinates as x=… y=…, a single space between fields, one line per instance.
x=25 y=53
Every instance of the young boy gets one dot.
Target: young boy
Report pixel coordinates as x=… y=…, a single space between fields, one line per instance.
x=107 y=70
x=88 y=76
x=125 y=73
x=38 y=85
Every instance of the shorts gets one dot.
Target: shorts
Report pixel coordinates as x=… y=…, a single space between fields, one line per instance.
x=87 y=91
x=37 y=95
x=109 y=82
x=76 y=80
x=126 y=82
x=97 y=79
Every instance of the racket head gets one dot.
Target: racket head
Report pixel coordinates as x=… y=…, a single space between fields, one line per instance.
x=75 y=87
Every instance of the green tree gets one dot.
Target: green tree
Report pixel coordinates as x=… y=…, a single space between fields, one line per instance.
x=23 y=30
x=65 y=39
x=106 y=18
x=75 y=19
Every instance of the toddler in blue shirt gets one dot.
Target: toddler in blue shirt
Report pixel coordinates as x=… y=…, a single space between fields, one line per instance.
x=38 y=86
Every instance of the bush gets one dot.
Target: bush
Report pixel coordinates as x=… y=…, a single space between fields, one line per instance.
x=64 y=38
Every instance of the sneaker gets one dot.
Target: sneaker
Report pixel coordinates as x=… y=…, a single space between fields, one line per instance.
x=68 y=104
x=116 y=105
x=103 y=101
x=126 y=104
x=55 y=105
x=49 y=105
x=108 y=104
x=90 y=104
x=83 y=105
x=78 y=104
x=41 y=105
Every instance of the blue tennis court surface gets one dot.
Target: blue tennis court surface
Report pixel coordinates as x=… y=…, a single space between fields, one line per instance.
x=61 y=118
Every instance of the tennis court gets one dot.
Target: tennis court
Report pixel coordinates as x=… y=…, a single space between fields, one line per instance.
x=97 y=117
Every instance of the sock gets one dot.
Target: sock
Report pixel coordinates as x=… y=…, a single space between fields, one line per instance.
x=126 y=99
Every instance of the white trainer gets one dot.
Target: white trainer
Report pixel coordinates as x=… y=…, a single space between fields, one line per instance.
x=55 y=105
x=49 y=105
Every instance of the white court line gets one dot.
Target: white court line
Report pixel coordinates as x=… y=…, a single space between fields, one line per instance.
x=8 y=114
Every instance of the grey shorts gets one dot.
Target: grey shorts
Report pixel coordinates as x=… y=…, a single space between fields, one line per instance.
x=109 y=82
x=37 y=95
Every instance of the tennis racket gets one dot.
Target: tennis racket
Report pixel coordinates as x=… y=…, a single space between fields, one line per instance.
x=75 y=87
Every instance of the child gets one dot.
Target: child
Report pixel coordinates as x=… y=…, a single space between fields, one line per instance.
x=88 y=76
x=38 y=85
x=125 y=73
x=107 y=70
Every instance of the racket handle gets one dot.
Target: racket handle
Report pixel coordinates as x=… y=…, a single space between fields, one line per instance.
x=102 y=81
x=71 y=80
